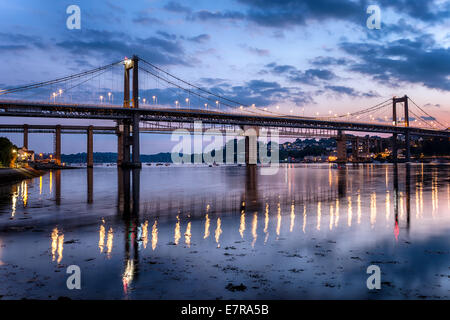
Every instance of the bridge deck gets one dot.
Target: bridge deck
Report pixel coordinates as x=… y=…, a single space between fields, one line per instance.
x=70 y=111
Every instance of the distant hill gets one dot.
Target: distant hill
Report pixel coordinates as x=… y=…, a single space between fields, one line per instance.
x=111 y=157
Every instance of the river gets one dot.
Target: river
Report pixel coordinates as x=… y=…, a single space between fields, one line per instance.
x=184 y=232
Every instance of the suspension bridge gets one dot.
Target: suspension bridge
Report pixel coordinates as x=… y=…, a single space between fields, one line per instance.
x=159 y=102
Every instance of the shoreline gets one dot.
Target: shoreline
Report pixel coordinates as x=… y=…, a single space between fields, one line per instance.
x=9 y=175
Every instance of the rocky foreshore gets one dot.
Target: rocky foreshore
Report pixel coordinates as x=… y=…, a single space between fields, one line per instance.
x=8 y=175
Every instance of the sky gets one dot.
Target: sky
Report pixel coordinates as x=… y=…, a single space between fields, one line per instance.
x=311 y=56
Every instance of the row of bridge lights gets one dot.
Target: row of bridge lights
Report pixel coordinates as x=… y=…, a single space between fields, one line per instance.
x=188 y=103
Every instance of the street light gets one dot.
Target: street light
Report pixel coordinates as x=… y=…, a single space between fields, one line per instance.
x=187 y=102
x=176 y=103
x=101 y=99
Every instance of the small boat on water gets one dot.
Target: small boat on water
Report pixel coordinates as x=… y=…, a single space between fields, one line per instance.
x=338 y=166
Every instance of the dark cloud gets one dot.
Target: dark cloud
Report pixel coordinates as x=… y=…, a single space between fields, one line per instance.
x=201 y=38
x=286 y=13
x=205 y=15
x=414 y=61
x=289 y=13
x=343 y=90
x=16 y=42
x=259 y=92
x=112 y=45
x=146 y=20
x=329 y=61
x=428 y=11
x=176 y=7
x=309 y=76
x=166 y=35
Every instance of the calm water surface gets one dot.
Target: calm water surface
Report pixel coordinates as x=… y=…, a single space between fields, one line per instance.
x=309 y=231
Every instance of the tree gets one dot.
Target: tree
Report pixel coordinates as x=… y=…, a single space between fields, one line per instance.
x=7 y=154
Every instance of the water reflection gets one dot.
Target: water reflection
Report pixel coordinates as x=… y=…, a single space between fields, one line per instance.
x=250 y=209
x=57 y=245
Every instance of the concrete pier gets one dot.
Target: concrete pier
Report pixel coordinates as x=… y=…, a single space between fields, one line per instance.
x=58 y=145
x=90 y=147
x=25 y=136
x=341 y=148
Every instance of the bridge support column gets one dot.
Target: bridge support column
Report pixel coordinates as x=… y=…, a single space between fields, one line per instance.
x=119 y=132
x=251 y=145
x=408 y=146
x=90 y=147
x=394 y=148
x=367 y=147
x=58 y=145
x=355 y=149
x=25 y=136
x=341 y=148
x=126 y=143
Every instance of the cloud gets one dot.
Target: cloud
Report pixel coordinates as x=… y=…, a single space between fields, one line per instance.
x=176 y=7
x=343 y=90
x=145 y=20
x=287 y=13
x=415 y=61
x=205 y=15
x=16 y=42
x=256 y=51
x=309 y=76
x=201 y=38
x=328 y=61
x=113 y=45
x=428 y=11
x=260 y=92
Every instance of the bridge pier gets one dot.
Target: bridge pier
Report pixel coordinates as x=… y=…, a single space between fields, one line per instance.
x=341 y=148
x=58 y=145
x=408 y=146
x=25 y=136
x=90 y=147
x=119 y=133
x=366 y=145
x=251 y=145
x=355 y=149
x=394 y=148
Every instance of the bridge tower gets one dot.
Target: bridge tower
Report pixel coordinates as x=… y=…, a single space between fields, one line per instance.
x=403 y=100
x=128 y=130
